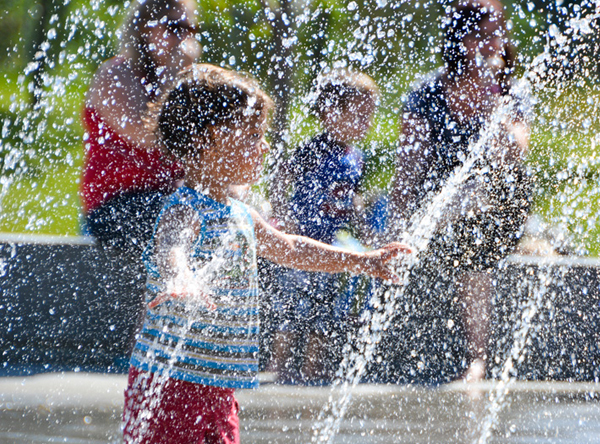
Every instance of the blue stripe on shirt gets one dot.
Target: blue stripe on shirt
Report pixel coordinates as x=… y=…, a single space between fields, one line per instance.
x=203 y=344
x=199 y=362
x=180 y=322
x=216 y=381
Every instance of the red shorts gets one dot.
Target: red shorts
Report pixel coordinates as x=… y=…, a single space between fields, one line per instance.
x=164 y=410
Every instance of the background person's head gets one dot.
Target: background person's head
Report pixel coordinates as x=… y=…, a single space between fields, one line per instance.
x=160 y=33
x=345 y=104
x=476 y=37
x=217 y=113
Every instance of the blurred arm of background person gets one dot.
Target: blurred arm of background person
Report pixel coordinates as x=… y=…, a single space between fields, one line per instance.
x=514 y=140
x=121 y=100
x=412 y=163
x=157 y=40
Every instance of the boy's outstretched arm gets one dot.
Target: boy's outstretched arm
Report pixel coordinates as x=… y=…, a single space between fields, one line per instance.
x=310 y=255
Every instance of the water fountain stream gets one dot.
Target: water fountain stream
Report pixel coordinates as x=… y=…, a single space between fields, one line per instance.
x=422 y=227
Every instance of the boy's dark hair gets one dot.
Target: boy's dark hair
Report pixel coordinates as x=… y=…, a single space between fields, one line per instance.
x=205 y=95
x=338 y=87
x=465 y=17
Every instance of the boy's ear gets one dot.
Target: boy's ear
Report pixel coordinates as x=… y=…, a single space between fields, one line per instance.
x=211 y=134
x=209 y=130
x=330 y=117
x=201 y=142
x=214 y=132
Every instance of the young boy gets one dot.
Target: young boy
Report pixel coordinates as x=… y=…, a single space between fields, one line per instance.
x=324 y=175
x=199 y=341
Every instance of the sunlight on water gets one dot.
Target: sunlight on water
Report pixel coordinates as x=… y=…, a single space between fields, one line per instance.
x=398 y=43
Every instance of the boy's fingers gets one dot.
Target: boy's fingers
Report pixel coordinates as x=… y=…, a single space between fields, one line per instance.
x=207 y=300
x=387 y=275
x=400 y=247
x=394 y=250
x=163 y=297
x=210 y=304
x=392 y=278
x=387 y=253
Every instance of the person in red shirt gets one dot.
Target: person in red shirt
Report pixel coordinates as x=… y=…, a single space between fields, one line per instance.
x=124 y=176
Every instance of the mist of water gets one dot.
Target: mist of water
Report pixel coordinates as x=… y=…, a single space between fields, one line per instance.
x=374 y=43
x=424 y=224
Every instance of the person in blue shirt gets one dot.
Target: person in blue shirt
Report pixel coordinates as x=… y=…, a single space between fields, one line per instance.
x=316 y=194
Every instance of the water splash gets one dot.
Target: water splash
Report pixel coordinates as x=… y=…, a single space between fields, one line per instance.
x=537 y=290
x=537 y=77
x=423 y=225
x=562 y=63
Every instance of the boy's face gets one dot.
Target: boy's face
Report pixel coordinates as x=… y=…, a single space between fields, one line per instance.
x=241 y=150
x=351 y=122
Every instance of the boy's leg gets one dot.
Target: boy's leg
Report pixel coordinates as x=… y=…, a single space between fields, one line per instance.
x=223 y=426
x=283 y=354
x=314 y=368
x=475 y=290
x=291 y=312
x=322 y=330
x=167 y=411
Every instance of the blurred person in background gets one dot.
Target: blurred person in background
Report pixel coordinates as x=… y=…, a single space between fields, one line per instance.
x=317 y=195
x=443 y=119
x=124 y=175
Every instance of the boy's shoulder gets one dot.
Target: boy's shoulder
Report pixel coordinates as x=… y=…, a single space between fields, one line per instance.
x=322 y=152
x=315 y=143
x=203 y=205
x=427 y=82
x=306 y=156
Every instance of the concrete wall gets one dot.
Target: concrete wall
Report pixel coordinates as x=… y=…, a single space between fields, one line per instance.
x=564 y=338
x=552 y=303
x=66 y=305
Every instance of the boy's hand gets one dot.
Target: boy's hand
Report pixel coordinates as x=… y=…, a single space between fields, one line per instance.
x=376 y=262
x=182 y=284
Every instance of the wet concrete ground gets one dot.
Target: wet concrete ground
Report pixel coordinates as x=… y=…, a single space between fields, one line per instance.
x=86 y=408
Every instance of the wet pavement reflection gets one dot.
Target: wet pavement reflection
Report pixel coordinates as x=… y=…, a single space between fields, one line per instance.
x=86 y=408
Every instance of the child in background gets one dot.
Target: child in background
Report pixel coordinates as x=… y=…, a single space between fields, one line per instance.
x=324 y=176
x=199 y=341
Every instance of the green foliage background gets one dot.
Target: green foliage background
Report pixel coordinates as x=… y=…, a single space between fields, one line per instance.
x=41 y=149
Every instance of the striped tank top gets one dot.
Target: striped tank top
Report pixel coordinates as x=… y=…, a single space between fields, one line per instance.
x=184 y=340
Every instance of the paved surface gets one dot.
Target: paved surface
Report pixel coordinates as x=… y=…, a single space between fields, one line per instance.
x=86 y=408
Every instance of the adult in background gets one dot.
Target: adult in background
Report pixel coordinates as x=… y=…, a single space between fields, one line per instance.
x=443 y=119
x=124 y=175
